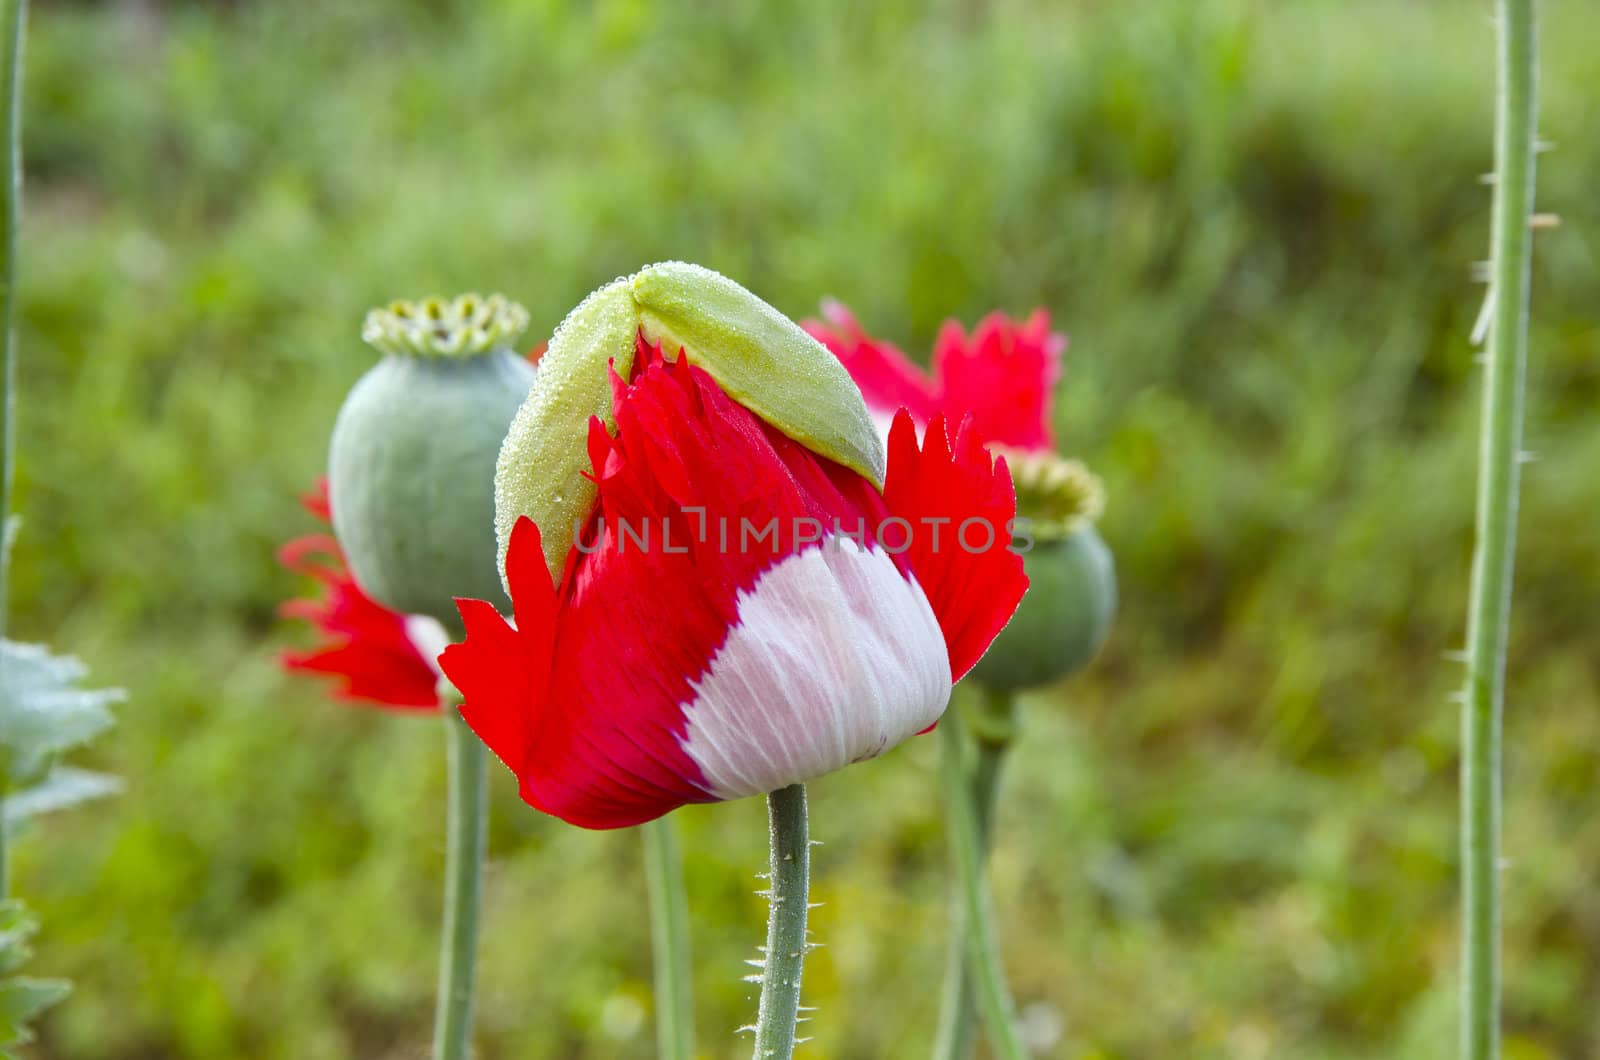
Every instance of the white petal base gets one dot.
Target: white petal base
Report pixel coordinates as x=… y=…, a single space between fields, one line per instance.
x=836 y=657
x=428 y=637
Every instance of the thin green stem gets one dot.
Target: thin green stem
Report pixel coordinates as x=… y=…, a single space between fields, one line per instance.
x=994 y=729
x=669 y=932
x=994 y=721
x=789 y=898
x=5 y=857
x=1500 y=454
x=966 y=844
x=463 y=889
x=13 y=19
x=13 y=13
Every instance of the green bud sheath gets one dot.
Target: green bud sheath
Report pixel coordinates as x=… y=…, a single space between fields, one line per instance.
x=1072 y=584
x=764 y=361
x=411 y=464
x=542 y=459
x=759 y=356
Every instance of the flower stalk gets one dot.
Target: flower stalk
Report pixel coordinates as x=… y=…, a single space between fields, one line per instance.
x=976 y=921
x=669 y=931
x=1500 y=454
x=13 y=17
x=789 y=897
x=464 y=853
x=994 y=723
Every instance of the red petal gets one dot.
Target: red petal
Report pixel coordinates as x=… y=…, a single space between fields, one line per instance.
x=972 y=578
x=369 y=674
x=498 y=670
x=364 y=644
x=316 y=501
x=298 y=555
x=502 y=671
x=1005 y=376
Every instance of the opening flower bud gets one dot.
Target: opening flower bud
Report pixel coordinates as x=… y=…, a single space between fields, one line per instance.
x=1072 y=595
x=756 y=355
x=411 y=464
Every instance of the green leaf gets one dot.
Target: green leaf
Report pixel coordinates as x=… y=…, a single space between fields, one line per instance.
x=21 y=997
x=42 y=711
x=62 y=787
x=17 y=926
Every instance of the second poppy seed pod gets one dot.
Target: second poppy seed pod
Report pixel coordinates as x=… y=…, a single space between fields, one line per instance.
x=411 y=464
x=1072 y=593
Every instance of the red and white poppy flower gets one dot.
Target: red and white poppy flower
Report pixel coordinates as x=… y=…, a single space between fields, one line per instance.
x=739 y=613
x=379 y=656
x=1004 y=374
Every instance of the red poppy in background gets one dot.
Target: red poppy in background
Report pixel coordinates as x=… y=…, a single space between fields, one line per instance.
x=739 y=613
x=1004 y=374
x=379 y=656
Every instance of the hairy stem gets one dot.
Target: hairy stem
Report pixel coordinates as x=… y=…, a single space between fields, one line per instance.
x=13 y=17
x=463 y=889
x=786 y=923
x=1500 y=451
x=995 y=726
x=669 y=932
x=966 y=844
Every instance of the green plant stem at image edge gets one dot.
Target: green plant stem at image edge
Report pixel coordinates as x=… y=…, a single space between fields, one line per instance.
x=13 y=16
x=1500 y=456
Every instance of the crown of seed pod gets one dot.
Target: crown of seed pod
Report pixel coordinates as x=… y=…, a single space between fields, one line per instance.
x=411 y=464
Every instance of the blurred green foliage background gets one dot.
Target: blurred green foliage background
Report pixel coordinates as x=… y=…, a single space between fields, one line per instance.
x=1233 y=837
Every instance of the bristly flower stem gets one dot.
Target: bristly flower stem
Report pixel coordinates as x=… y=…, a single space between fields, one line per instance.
x=463 y=889
x=1499 y=456
x=789 y=896
x=13 y=17
x=966 y=844
x=669 y=930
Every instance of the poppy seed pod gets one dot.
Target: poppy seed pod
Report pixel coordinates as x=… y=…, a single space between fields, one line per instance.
x=1072 y=595
x=411 y=464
